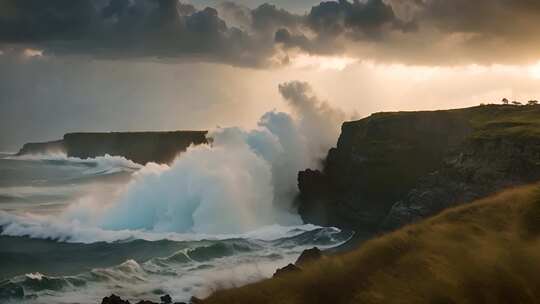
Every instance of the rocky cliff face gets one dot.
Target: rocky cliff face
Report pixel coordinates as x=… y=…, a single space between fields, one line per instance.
x=140 y=147
x=393 y=168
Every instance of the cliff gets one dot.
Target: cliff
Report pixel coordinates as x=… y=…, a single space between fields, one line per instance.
x=390 y=169
x=483 y=252
x=56 y=146
x=140 y=147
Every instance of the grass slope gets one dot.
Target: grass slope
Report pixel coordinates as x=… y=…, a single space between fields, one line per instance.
x=484 y=252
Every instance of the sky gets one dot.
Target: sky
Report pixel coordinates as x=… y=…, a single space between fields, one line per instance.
x=133 y=65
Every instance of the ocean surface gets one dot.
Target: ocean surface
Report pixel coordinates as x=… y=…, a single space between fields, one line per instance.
x=64 y=238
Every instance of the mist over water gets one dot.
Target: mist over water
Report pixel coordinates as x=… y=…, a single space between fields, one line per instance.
x=218 y=208
x=244 y=180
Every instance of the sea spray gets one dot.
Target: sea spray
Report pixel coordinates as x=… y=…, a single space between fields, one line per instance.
x=223 y=188
x=220 y=216
x=244 y=180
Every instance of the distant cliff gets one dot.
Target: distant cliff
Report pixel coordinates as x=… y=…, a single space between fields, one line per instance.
x=390 y=169
x=140 y=147
x=56 y=146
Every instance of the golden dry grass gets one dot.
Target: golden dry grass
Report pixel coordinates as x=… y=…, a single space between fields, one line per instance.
x=484 y=252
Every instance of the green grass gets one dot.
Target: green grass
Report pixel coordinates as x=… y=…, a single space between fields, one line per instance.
x=490 y=120
x=499 y=121
x=484 y=252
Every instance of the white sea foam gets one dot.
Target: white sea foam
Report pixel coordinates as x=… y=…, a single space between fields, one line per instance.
x=106 y=164
x=240 y=187
x=46 y=227
x=180 y=278
x=244 y=180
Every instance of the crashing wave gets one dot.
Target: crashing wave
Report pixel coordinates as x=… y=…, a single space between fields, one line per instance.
x=43 y=227
x=106 y=164
x=195 y=270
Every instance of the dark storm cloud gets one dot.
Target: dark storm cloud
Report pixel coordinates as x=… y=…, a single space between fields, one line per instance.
x=410 y=31
x=24 y=20
x=371 y=18
x=119 y=28
x=268 y=17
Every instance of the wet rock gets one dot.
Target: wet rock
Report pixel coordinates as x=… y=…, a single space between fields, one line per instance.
x=291 y=268
x=308 y=256
x=166 y=299
x=114 y=299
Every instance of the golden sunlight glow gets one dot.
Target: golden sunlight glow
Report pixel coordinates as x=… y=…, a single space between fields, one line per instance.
x=534 y=70
x=322 y=62
x=403 y=72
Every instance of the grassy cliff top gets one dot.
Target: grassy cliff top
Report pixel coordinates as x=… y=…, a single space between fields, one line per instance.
x=486 y=120
x=505 y=121
x=484 y=252
x=386 y=154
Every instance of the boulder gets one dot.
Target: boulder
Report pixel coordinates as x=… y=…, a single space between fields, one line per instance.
x=291 y=268
x=308 y=256
x=114 y=299
x=166 y=299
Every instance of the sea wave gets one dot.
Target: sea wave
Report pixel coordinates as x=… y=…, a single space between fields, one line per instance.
x=197 y=268
x=106 y=164
x=45 y=227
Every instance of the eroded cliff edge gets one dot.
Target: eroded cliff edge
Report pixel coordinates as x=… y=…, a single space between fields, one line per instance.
x=390 y=169
x=140 y=147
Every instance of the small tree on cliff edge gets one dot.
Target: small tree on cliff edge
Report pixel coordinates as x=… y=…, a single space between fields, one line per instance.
x=532 y=102
x=505 y=101
x=517 y=103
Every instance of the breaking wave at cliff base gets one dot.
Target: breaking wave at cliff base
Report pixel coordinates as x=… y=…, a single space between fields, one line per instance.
x=221 y=214
x=244 y=180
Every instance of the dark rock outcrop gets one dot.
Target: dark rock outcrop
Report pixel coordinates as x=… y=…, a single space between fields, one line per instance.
x=291 y=268
x=166 y=299
x=390 y=169
x=482 y=167
x=306 y=257
x=114 y=299
x=140 y=147
x=309 y=256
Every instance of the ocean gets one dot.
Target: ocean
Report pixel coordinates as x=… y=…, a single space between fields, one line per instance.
x=74 y=231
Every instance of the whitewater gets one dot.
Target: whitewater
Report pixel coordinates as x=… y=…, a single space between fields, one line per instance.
x=221 y=215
